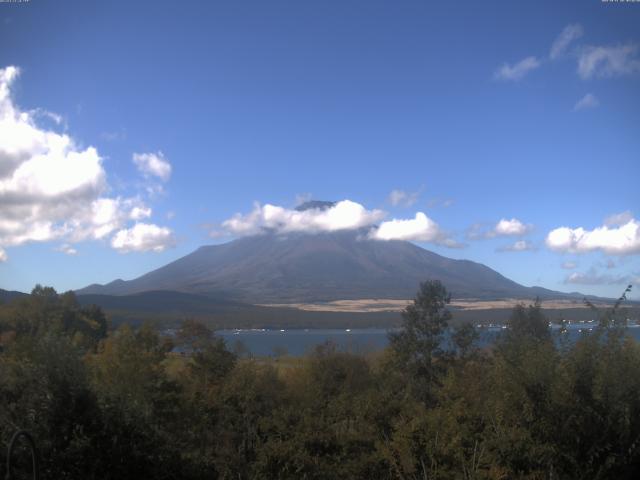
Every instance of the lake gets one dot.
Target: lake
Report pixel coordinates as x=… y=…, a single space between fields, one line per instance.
x=297 y=342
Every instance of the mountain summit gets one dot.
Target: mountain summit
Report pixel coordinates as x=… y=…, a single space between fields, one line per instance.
x=271 y=268
x=315 y=204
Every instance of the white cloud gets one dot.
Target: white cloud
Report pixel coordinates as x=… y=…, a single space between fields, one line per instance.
x=609 y=61
x=140 y=212
x=566 y=37
x=143 y=237
x=476 y=232
x=569 y=265
x=344 y=215
x=511 y=227
x=518 y=246
x=517 y=71
x=303 y=198
x=67 y=249
x=618 y=219
x=104 y=216
x=40 y=113
x=614 y=240
x=588 y=101
x=504 y=228
x=400 y=197
x=592 y=277
x=153 y=164
x=51 y=188
x=438 y=202
x=3 y=256
x=420 y=229
x=114 y=136
x=46 y=181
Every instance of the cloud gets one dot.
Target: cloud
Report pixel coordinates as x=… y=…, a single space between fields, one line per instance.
x=518 y=246
x=143 y=237
x=67 y=249
x=50 y=187
x=420 y=229
x=40 y=113
x=3 y=256
x=344 y=215
x=504 y=228
x=45 y=178
x=588 y=101
x=592 y=277
x=405 y=199
x=511 y=227
x=140 y=212
x=618 y=219
x=568 y=265
x=517 y=71
x=438 y=202
x=476 y=232
x=609 y=61
x=566 y=37
x=303 y=198
x=114 y=136
x=614 y=240
x=104 y=216
x=153 y=165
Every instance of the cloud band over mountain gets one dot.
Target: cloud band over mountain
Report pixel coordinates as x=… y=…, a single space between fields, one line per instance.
x=342 y=215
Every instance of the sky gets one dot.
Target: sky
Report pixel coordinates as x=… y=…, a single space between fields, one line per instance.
x=507 y=133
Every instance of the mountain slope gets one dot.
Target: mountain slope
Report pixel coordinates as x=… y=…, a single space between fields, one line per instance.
x=321 y=267
x=169 y=308
x=8 y=295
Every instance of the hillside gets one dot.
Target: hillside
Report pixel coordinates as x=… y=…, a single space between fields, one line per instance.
x=322 y=267
x=8 y=295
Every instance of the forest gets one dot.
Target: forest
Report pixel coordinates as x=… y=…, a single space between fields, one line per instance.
x=120 y=403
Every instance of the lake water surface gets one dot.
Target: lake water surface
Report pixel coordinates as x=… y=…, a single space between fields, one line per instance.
x=296 y=342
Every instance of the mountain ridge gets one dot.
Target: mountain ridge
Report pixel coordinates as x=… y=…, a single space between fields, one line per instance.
x=320 y=267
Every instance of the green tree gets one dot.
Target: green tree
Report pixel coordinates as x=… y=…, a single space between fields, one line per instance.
x=417 y=346
x=528 y=324
x=464 y=337
x=44 y=389
x=140 y=405
x=209 y=359
x=326 y=426
x=46 y=311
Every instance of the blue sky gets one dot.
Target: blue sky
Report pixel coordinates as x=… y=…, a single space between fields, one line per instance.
x=175 y=117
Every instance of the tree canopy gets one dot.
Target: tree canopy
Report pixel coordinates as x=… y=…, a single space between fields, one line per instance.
x=131 y=403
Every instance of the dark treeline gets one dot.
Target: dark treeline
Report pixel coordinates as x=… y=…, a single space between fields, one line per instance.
x=121 y=404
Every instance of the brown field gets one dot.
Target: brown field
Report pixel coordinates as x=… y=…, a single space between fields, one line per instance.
x=392 y=305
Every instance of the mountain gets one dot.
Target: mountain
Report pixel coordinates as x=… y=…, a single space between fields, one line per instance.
x=272 y=268
x=8 y=295
x=168 y=308
x=315 y=205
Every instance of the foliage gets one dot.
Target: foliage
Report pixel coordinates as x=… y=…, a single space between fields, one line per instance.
x=417 y=347
x=129 y=403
